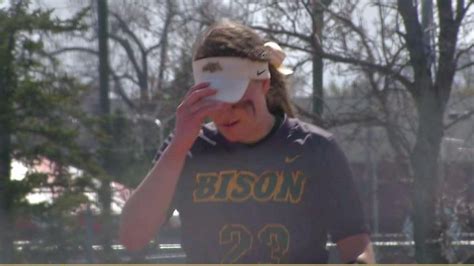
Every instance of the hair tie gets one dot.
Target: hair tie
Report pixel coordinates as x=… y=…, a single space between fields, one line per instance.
x=276 y=55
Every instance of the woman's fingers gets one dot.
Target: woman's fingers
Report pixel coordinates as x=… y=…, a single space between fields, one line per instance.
x=199 y=94
x=206 y=110
x=196 y=87
x=202 y=104
x=193 y=97
x=191 y=113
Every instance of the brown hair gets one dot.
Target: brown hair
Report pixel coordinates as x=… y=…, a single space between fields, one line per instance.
x=229 y=38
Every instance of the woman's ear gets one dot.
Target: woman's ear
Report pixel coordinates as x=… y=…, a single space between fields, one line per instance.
x=266 y=86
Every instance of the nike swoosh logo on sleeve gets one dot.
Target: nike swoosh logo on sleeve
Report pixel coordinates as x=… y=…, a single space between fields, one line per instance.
x=291 y=159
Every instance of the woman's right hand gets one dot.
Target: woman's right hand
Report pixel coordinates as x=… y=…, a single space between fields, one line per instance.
x=191 y=113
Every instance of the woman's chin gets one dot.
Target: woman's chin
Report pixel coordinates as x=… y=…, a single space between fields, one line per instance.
x=230 y=137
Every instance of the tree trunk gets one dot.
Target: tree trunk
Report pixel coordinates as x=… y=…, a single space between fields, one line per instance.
x=317 y=60
x=424 y=162
x=104 y=192
x=170 y=12
x=143 y=82
x=6 y=224
x=105 y=199
x=6 y=108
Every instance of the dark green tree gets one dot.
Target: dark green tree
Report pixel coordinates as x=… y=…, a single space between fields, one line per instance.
x=39 y=115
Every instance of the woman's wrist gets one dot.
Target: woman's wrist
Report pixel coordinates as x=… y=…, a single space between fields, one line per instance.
x=177 y=148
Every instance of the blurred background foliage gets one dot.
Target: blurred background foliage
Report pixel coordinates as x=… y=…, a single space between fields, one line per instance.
x=392 y=79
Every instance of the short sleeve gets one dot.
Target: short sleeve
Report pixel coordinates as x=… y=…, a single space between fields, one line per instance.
x=162 y=148
x=345 y=215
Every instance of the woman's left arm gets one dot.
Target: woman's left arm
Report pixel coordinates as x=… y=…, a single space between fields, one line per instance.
x=356 y=249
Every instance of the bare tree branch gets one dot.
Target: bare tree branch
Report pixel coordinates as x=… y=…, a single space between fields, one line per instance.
x=128 y=49
x=352 y=118
x=121 y=92
x=380 y=68
x=353 y=27
x=153 y=47
x=448 y=32
x=124 y=26
x=74 y=49
x=383 y=32
x=341 y=119
x=358 y=62
x=130 y=78
x=463 y=51
x=294 y=47
x=465 y=66
x=414 y=39
x=301 y=62
x=316 y=119
x=461 y=10
x=463 y=117
x=170 y=13
x=286 y=14
x=300 y=36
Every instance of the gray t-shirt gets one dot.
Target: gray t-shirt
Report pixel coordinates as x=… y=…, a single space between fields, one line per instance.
x=272 y=202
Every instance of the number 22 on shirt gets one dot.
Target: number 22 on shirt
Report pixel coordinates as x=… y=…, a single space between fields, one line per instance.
x=275 y=237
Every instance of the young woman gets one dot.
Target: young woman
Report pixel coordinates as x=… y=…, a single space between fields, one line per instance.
x=256 y=185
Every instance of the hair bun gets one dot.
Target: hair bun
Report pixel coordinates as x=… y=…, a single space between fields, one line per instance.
x=276 y=55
